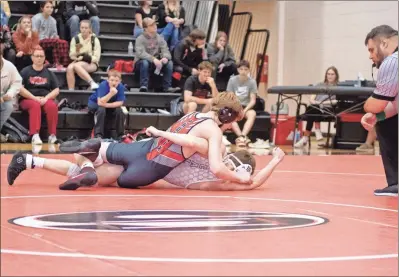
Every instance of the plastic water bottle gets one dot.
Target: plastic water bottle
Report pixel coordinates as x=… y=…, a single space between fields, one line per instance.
x=130 y=49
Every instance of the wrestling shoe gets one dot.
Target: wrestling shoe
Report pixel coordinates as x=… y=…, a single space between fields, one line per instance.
x=16 y=166
x=86 y=178
x=388 y=191
x=88 y=148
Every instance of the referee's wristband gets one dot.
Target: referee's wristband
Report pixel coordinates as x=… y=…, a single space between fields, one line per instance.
x=381 y=116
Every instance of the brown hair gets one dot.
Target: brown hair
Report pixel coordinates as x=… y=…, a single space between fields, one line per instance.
x=175 y=12
x=219 y=35
x=114 y=73
x=333 y=68
x=226 y=100
x=22 y=18
x=246 y=158
x=382 y=31
x=193 y=36
x=44 y=3
x=243 y=63
x=205 y=65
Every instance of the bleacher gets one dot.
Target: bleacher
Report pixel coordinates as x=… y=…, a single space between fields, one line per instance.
x=117 y=24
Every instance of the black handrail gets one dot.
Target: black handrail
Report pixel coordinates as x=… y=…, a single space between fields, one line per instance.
x=195 y=12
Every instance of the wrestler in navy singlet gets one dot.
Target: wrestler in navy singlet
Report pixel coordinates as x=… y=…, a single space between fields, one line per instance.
x=146 y=162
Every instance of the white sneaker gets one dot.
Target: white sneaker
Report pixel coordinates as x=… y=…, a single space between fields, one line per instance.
x=302 y=142
x=94 y=85
x=226 y=141
x=260 y=144
x=52 y=139
x=36 y=139
x=319 y=135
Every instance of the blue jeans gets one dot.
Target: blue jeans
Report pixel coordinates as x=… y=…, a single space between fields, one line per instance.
x=137 y=31
x=171 y=35
x=74 y=21
x=144 y=67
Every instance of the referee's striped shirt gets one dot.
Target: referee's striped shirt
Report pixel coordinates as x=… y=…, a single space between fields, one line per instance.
x=387 y=80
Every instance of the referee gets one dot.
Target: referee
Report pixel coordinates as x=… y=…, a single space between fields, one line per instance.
x=381 y=108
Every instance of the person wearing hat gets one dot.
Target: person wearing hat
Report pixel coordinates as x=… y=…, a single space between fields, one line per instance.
x=152 y=55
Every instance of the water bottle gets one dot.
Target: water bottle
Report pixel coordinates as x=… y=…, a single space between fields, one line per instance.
x=130 y=49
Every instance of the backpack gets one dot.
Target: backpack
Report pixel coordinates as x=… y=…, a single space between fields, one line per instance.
x=16 y=132
x=93 y=38
x=122 y=66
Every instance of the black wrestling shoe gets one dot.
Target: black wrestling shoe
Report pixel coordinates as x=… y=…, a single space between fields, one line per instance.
x=88 y=148
x=86 y=178
x=16 y=166
x=388 y=191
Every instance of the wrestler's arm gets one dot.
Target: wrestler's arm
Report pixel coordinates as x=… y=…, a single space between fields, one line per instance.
x=185 y=140
x=258 y=180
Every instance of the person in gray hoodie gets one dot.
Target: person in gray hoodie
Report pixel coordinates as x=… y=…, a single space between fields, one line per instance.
x=11 y=83
x=152 y=54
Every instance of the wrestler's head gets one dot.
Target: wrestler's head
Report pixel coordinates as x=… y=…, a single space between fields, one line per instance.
x=241 y=160
x=227 y=107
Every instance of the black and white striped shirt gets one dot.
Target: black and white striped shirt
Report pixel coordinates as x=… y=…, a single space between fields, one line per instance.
x=387 y=80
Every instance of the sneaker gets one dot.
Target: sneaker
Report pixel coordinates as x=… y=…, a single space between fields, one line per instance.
x=226 y=141
x=52 y=139
x=93 y=85
x=260 y=144
x=16 y=166
x=173 y=90
x=36 y=139
x=88 y=148
x=3 y=138
x=86 y=178
x=365 y=148
x=143 y=89
x=302 y=142
x=388 y=191
x=319 y=135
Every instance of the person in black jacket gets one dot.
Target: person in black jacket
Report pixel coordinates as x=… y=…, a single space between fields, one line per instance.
x=189 y=53
x=80 y=10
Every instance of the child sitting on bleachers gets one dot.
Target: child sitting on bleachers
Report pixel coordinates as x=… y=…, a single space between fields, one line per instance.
x=46 y=26
x=85 y=53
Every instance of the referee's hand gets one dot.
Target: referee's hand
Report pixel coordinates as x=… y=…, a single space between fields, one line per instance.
x=368 y=121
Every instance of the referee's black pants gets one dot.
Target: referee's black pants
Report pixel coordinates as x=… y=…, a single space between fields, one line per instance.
x=387 y=134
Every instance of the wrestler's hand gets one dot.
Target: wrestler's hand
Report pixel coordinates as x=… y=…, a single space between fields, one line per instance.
x=152 y=132
x=368 y=121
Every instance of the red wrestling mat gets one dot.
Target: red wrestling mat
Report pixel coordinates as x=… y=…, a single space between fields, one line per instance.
x=316 y=216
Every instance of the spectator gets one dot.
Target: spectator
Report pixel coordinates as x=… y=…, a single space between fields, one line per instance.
x=46 y=26
x=40 y=88
x=85 y=53
x=8 y=50
x=5 y=13
x=221 y=56
x=107 y=101
x=152 y=53
x=82 y=10
x=199 y=90
x=189 y=54
x=25 y=40
x=11 y=83
x=246 y=90
x=143 y=12
x=318 y=104
x=171 y=17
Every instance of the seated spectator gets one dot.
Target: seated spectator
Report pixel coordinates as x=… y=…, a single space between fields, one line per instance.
x=8 y=50
x=189 y=53
x=58 y=14
x=171 y=18
x=5 y=13
x=222 y=57
x=199 y=90
x=318 y=104
x=82 y=10
x=40 y=88
x=107 y=101
x=46 y=26
x=25 y=40
x=143 y=12
x=11 y=83
x=246 y=90
x=152 y=53
x=85 y=53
